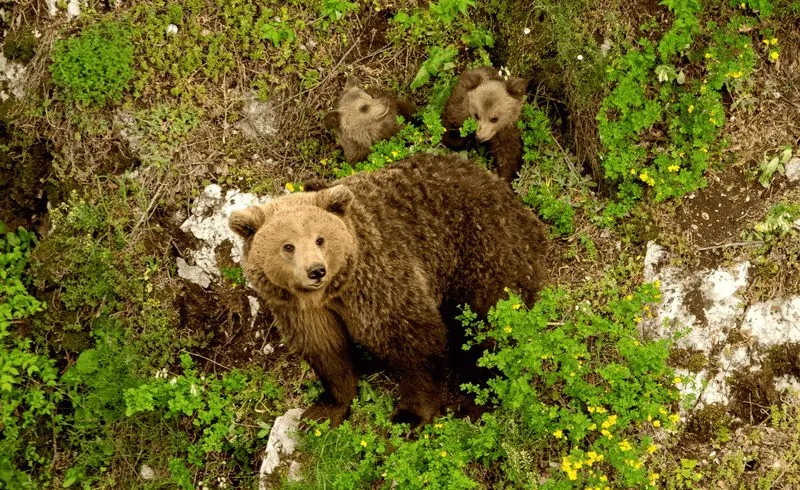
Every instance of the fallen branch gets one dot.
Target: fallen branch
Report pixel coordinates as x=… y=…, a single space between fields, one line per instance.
x=733 y=244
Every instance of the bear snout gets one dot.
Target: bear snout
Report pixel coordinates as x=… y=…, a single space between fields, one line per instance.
x=316 y=271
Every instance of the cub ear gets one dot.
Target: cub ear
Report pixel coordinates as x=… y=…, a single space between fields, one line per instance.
x=350 y=82
x=471 y=79
x=314 y=184
x=332 y=120
x=406 y=109
x=336 y=199
x=246 y=222
x=516 y=87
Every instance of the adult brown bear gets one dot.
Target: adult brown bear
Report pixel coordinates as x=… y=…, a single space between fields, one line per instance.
x=376 y=257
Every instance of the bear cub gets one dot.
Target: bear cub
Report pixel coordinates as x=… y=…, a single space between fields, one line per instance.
x=364 y=117
x=376 y=258
x=495 y=104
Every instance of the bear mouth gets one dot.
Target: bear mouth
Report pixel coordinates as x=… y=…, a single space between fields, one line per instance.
x=313 y=285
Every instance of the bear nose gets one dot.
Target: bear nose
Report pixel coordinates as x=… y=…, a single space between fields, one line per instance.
x=316 y=271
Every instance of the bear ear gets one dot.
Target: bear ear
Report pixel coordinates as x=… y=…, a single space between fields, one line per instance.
x=332 y=120
x=516 y=87
x=471 y=79
x=350 y=82
x=336 y=199
x=246 y=222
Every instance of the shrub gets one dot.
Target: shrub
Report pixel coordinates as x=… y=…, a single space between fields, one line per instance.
x=96 y=66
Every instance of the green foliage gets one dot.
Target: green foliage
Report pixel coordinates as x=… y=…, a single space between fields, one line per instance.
x=368 y=448
x=214 y=405
x=780 y=221
x=335 y=10
x=439 y=60
x=28 y=394
x=96 y=66
x=777 y=163
x=659 y=89
x=549 y=182
x=578 y=384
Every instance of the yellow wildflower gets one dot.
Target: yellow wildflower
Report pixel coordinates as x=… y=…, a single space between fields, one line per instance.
x=438 y=426
x=606 y=433
x=677 y=380
x=363 y=443
x=633 y=171
x=610 y=421
x=674 y=168
x=591 y=409
x=594 y=458
x=773 y=41
x=643 y=176
x=653 y=477
x=516 y=306
x=603 y=410
x=394 y=153
x=674 y=418
x=593 y=427
x=625 y=445
x=656 y=423
x=507 y=329
x=558 y=434
x=636 y=319
x=443 y=453
x=289 y=187
x=317 y=433
x=774 y=56
x=629 y=297
x=653 y=448
x=690 y=109
x=708 y=55
x=300 y=188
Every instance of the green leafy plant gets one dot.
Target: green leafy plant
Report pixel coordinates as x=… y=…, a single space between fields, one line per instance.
x=774 y=164
x=439 y=60
x=214 y=405
x=653 y=93
x=28 y=394
x=96 y=66
x=549 y=182
x=578 y=384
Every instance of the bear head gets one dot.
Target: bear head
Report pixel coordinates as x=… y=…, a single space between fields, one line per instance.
x=494 y=104
x=358 y=113
x=299 y=244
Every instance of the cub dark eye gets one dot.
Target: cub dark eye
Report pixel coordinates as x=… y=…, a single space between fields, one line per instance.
x=494 y=120
x=477 y=117
x=364 y=108
x=320 y=241
x=288 y=248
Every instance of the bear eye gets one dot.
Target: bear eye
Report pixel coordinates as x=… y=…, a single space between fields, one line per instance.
x=288 y=248
x=320 y=241
x=364 y=108
x=494 y=120
x=477 y=117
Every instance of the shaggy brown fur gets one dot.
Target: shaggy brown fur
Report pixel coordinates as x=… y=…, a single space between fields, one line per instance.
x=364 y=117
x=398 y=246
x=495 y=104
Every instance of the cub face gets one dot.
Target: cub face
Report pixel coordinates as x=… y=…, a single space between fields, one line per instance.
x=298 y=243
x=495 y=104
x=357 y=111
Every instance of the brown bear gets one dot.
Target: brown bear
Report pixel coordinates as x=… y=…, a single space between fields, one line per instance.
x=495 y=104
x=364 y=117
x=375 y=258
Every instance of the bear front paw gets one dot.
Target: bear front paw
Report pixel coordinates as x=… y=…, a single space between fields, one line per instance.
x=318 y=413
